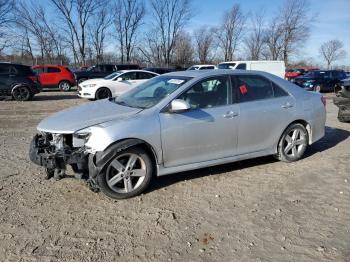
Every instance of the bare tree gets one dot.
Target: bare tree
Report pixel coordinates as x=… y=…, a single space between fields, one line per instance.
x=332 y=51
x=128 y=19
x=183 y=51
x=76 y=15
x=170 y=16
x=230 y=32
x=256 y=39
x=98 y=29
x=204 y=40
x=6 y=8
x=295 y=21
x=274 y=40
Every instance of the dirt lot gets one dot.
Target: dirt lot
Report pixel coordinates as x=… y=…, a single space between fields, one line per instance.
x=256 y=210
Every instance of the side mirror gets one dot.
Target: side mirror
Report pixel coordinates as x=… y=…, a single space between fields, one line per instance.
x=119 y=79
x=179 y=105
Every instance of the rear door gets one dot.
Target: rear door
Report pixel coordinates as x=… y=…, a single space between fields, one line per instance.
x=50 y=76
x=265 y=110
x=5 y=89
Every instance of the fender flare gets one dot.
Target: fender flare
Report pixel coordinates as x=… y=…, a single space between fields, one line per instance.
x=98 y=161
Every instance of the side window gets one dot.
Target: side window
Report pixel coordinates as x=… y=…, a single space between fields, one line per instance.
x=129 y=76
x=242 y=66
x=278 y=91
x=212 y=92
x=53 y=70
x=109 y=68
x=4 y=69
x=144 y=75
x=251 y=88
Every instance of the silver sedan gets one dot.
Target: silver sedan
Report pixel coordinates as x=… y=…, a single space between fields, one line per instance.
x=176 y=122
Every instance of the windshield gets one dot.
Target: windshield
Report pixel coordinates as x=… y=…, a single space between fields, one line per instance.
x=151 y=92
x=227 y=66
x=113 y=75
x=315 y=74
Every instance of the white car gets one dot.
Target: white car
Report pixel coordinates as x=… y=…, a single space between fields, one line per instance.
x=202 y=67
x=114 y=84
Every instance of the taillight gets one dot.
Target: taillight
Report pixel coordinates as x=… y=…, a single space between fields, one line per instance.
x=323 y=99
x=35 y=79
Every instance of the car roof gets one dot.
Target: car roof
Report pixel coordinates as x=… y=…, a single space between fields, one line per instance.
x=46 y=65
x=254 y=61
x=135 y=70
x=208 y=73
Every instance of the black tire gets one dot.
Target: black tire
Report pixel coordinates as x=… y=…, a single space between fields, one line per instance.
x=22 y=93
x=64 y=85
x=283 y=144
x=111 y=172
x=81 y=80
x=103 y=93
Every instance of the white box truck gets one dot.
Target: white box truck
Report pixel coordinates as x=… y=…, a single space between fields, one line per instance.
x=273 y=67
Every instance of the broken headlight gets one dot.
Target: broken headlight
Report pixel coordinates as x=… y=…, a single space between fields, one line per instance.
x=81 y=137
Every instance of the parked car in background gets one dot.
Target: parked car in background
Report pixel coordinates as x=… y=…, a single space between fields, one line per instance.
x=159 y=70
x=177 y=122
x=293 y=73
x=100 y=71
x=273 y=67
x=347 y=74
x=342 y=100
x=18 y=81
x=320 y=80
x=202 y=67
x=53 y=76
x=114 y=84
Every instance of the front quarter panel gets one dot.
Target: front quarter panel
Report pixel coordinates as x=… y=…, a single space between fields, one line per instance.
x=143 y=126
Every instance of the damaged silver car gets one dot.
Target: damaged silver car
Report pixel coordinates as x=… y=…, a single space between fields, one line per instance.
x=176 y=122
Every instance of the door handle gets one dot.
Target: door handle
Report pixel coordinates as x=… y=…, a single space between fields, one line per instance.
x=287 y=105
x=230 y=114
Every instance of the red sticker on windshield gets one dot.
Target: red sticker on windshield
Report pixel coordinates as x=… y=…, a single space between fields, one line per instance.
x=243 y=89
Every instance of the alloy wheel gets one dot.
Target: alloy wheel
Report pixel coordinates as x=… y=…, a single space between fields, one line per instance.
x=126 y=173
x=21 y=93
x=64 y=86
x=295 y=143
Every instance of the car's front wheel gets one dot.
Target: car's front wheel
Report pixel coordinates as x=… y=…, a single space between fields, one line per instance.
x=128 y=174
x=103 y=93
x=293 y=143
x=64 y=86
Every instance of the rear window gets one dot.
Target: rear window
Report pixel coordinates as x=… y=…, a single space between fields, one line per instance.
x=227 y=66
x=25 y=70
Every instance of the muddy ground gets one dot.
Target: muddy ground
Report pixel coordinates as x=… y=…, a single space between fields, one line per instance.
x=255 y=210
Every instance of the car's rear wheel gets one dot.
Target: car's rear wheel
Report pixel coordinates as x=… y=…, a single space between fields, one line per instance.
x=318 y=88
x=64 y=85
x=22 y=93
x=103 y=93
x=293 y=143
x=128 y=174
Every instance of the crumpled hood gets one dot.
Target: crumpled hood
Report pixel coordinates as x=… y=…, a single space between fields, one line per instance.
x=73 y=119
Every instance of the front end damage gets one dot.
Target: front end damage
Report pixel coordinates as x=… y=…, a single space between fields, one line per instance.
x=56 y=151
x=342 y=100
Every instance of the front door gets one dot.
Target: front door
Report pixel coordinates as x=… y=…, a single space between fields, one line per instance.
x=208 y=131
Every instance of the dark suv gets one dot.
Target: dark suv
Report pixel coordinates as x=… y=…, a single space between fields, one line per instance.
x=100 y=71
x=18 y=81
x=320 y=80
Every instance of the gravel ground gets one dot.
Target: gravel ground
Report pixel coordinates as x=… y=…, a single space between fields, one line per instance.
x=255 y=210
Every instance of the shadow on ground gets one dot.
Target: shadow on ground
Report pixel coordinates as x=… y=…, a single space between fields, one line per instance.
x=333 y=136
x=55 y=97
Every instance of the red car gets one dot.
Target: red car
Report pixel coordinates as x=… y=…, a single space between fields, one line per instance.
x=293 y=73
x=52 y=76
